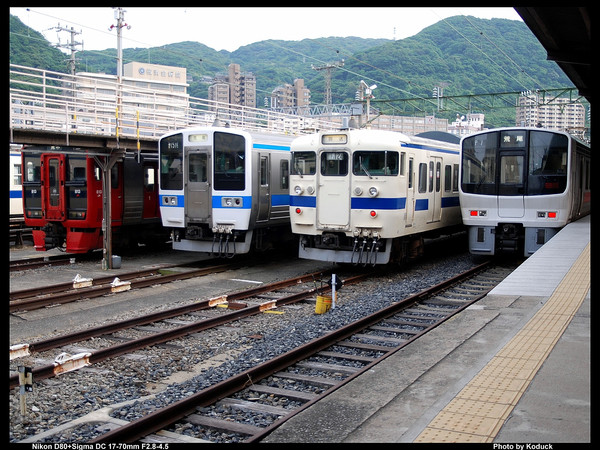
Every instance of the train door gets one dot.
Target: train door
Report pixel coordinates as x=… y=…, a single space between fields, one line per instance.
x=53 y=201
x=511 y=184
x=333 y=187
x=435 y=168
x=264 y=187
x=198 y=205
x=410 y=192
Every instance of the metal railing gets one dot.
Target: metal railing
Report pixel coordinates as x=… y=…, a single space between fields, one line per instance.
x=43 y=100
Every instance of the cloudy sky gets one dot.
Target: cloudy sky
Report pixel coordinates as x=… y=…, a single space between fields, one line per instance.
x=231 y=28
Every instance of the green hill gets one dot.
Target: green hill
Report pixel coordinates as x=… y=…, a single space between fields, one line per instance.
x=465 y=54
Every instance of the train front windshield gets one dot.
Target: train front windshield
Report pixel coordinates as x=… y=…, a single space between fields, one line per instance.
x=171 y=162
x=515 y=162
x=230 y=162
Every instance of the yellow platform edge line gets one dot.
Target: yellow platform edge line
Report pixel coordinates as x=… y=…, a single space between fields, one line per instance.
x=514 y=367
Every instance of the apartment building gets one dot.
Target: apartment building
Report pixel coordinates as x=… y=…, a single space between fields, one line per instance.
x=289 y=96
x=234 y=87
x=560 y=114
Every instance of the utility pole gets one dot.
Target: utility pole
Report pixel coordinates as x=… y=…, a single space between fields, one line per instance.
x=109 y=161
x=328 y=67
x=71 y=46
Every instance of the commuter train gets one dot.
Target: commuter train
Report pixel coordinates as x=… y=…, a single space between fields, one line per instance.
x=63 y=200
x=371 y=196
x=224 y=191
x=520 y=186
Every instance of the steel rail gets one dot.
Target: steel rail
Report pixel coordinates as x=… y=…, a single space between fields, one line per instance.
x=51 y=370
x=166 y=416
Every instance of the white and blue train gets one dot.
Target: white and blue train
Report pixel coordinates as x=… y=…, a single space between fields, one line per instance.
x=224 y=191
x=371 y=196
x=520 y=186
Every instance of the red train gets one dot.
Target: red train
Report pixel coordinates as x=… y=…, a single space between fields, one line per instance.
x=62 y=201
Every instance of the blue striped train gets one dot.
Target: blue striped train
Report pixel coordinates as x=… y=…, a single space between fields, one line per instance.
x=371 y=196
x=224 y=191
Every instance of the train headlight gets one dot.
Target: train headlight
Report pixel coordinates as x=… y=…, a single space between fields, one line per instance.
x=298 y=190
x=310 y=190
x=373 y=191
x=358 y=190
x=232 y=202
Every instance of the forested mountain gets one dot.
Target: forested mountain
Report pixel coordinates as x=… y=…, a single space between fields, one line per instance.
x=465 y=54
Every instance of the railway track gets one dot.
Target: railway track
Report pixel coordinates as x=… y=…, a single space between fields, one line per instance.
x=39 y=297
x=232 y=301
x=307 y=373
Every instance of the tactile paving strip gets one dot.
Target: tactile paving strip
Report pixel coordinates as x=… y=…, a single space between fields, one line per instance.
x=478 y=412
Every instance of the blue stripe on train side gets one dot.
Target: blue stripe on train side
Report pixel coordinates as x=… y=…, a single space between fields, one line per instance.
x=448 y=202
x=378 y=203
x=280 y=200
x=426 y=147
x=421 y=204
x=271 y=147
x=305 y=201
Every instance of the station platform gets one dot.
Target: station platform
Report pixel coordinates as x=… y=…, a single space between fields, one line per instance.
x=513 y=368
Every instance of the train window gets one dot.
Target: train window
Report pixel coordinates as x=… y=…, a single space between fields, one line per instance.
x=76 y=169
x=375 y=163
x=455 y=178
x=334 y=163
x=410 y=172
x=198 y=167
x=479 y=163
x=304 y=163
x=32 y=164
x=149 y=184
x=447 y=178
x=230 y=162
x=547 y=163
x=171 y=166
x=438 y=175
x=264 y=170
x=284 y=171
x=17 y=177
x=430 y=176
x=402 y=163
x=422 y=177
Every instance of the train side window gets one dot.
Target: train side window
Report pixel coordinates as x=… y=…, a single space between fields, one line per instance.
x=149 y=184
x=455 y=179
x=402 y=163
x=284 y=170
x=114 y=177
x=422 y=177
x=438 y=175
x=447 y=178
x=264 y=171
x=410 y=173
x=17 y=177
x=430 y=176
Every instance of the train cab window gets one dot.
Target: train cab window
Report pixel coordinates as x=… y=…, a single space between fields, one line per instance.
x=479 y=164
x=334 y=164
x=547 y=163
x=230 y=162
x=375 y=163
x=32 y=169
x=171 y=162
x=114 y=177
x=76 y=169
x=304 y=163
